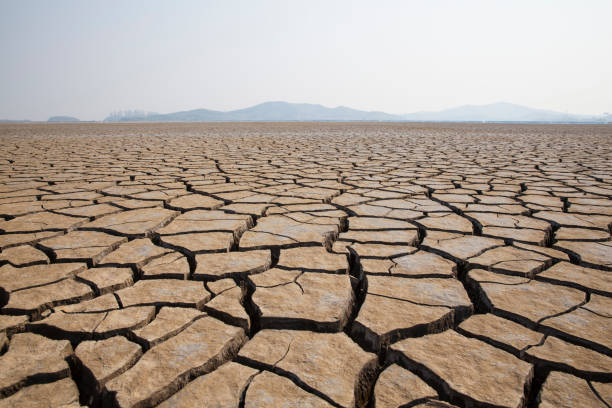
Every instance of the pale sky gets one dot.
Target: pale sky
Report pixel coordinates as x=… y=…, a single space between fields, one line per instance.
x=88 y=58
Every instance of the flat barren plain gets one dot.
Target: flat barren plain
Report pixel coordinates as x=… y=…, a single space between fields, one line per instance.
x=305 y=265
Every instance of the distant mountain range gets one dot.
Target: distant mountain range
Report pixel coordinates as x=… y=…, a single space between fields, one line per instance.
x=285 y=111
x=306 y=112
x=266 y=112
x=502 y=112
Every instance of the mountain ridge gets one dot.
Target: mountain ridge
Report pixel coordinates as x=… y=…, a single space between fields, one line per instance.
x=501 y=112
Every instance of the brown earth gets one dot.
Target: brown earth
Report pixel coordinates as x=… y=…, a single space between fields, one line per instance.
x=305 y=265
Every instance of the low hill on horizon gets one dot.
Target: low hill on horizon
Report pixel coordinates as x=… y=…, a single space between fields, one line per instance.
x=63 y=119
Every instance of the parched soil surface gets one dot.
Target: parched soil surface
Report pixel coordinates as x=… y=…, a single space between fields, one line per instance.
x=305 y=265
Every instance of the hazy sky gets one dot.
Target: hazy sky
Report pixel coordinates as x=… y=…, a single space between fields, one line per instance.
x=87 y=58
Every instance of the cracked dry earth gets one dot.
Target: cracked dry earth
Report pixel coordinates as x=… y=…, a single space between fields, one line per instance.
x=305 y=265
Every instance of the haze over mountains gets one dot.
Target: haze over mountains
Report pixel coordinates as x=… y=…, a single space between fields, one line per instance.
x=285 y=111
x=289 y=112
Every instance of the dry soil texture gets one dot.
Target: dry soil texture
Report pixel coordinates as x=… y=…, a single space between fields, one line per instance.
x=305 y=265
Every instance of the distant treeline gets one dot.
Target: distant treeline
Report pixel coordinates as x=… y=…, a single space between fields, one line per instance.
x=128 y=115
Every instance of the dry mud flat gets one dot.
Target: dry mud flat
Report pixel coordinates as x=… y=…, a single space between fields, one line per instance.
x=305 y=265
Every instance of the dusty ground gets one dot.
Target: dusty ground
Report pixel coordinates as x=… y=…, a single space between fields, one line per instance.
x=305 y=265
